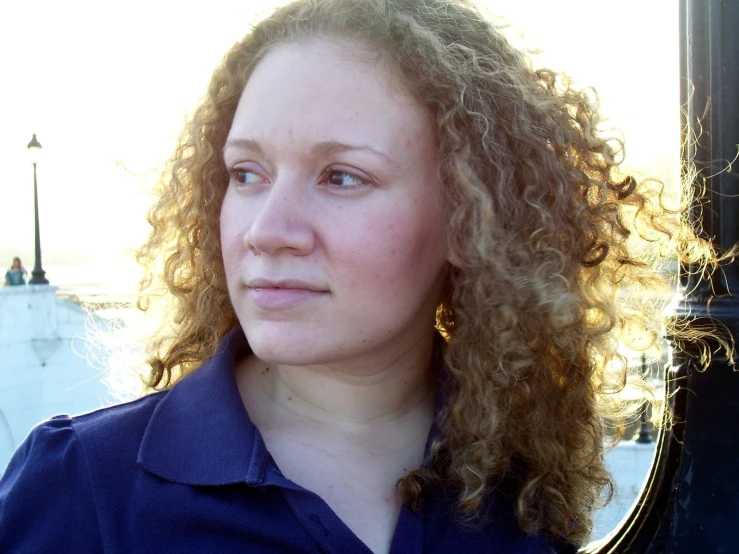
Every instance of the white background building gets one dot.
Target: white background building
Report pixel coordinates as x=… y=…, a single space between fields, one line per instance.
x=43 y=370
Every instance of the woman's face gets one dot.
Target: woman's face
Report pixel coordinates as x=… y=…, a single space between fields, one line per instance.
x=16 y=263
x=332 y=226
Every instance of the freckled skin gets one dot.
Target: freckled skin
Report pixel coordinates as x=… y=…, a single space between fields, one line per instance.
x=379 y=250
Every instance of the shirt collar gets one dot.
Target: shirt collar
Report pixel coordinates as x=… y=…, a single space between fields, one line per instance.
x=200 y=432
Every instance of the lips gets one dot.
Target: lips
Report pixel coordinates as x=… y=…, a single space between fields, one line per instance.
x=295 y=284
x=283 y=294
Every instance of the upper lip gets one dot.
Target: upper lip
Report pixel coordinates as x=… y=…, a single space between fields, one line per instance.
x=283 y=284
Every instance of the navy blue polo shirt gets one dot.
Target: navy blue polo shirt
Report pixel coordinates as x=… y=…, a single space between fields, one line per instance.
x=185 y=470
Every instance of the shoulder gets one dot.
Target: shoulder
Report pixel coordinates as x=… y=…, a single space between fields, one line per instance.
x=111 y=438
x=116 y=427
x=49 y=494
x=45 y=478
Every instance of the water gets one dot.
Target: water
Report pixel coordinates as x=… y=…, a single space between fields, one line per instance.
x=115 y=282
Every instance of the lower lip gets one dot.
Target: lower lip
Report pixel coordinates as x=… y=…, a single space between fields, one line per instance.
x=275 y=299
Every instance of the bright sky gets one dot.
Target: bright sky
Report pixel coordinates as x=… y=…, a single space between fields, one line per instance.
x=104 y=84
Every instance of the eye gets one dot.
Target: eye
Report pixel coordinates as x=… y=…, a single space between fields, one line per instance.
x=242 y=176
x=343 y=179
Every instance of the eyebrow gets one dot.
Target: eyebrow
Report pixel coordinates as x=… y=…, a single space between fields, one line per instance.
x=325 y=147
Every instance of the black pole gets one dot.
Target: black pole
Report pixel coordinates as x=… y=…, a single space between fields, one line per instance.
x=38 y=273
x=703 y=513
x=691 y=499
x=644 y=436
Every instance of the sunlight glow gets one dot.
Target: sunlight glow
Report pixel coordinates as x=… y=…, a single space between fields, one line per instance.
x=107 y=87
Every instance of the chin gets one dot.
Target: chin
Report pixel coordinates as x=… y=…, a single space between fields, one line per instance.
x=284 y=346
x=281 y=354
x=304 y=346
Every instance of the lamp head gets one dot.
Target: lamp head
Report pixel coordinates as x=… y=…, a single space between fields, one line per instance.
x=34 y=149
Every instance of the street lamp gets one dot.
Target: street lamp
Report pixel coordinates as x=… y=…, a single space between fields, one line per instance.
x=38 y=273
x=644 y=436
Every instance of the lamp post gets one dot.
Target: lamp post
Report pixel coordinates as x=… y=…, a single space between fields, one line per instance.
x=644 y=436
x=38 y=273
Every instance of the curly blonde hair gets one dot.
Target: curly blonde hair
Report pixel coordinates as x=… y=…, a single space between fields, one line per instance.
x=544 y=279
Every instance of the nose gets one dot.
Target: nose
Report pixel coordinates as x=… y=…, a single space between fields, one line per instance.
x=282 y=223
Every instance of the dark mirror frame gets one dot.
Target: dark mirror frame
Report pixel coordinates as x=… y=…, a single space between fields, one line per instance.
x=690 y=504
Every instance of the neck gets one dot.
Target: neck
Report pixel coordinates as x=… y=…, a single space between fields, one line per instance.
x=341 y=400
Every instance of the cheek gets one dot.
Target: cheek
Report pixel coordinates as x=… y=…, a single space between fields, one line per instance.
x=231 y=235
x=417 y=233
x=393 y=251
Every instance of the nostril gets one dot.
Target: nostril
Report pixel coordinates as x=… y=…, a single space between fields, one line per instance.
x=251 y=246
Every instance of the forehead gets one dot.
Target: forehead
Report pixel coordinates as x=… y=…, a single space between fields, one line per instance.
x=328 y=90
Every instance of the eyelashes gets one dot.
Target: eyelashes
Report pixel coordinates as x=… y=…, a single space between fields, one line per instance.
x=330 y=178
x=241 y=176
x=334 y=177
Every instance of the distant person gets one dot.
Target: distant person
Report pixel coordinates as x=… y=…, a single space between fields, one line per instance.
x=16 y=274
x=400 y=260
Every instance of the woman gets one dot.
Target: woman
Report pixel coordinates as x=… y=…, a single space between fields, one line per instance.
x=394 y=252
x=16 y=274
